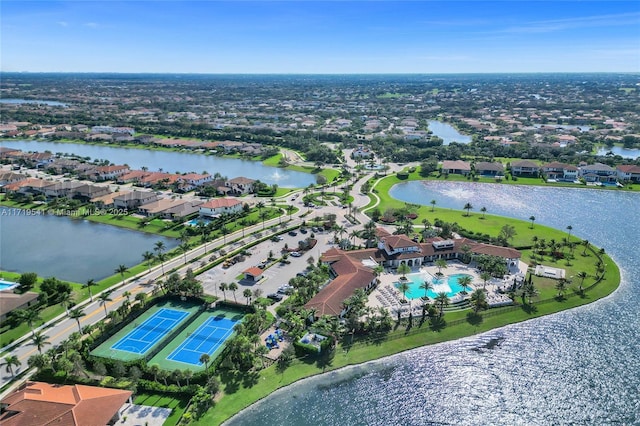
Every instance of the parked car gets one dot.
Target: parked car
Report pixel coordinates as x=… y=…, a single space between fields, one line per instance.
x=275 y=296
x=293 y=233
x=276 y=238
x=303 y=231
x=295 y=254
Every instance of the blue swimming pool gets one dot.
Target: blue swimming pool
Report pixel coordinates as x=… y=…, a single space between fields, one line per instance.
x=7 y=285
x=447 y=285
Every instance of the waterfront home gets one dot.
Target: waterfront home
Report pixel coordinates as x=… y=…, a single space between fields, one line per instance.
x=170 y=208
x=218 y=206
x=10 y=301
x=158 y=178
x=133 y=200
x=62 y=189
x=32 y=186
x=63 y=165
x=560 y=171
x=6 y=152
x=525 y=168
x=241 y=185
x=457 y=167
x=628 y=173
x=485 y=168
x=87 y=192
x=133 y=176
x=190 y=181
x=113 y=130
x=109 y=172
x=598 y=172
x=40 y=404
x=106 y=201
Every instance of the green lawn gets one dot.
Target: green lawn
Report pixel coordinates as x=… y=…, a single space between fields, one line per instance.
x=366 y=349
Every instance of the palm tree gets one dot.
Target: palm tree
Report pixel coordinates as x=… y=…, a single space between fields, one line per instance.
x=561 y=286
x=404 y=269
x=233 y=287
x=485 y=276
x=154 y=369
x=184 y=248
x=442 y=300
x=148 y=257
x=403 y=287
x=468 y=207
x=122 y=269
x=161 y=257
x=40 y=341
x=582 y=275
x=478 y=300
x=204 y=359
x=441 y=264
x=569 y=228
x=187 y=375
x=29 y=316
x=433 y=205
x=159 y=248
x=104 y=298
x=39 y=361
x=12 y=361
x=76 y=314
x=88 y=285
x=586 y=244
x=465 y=282
x=532 y=219
x=426 y=286
x=65 y=300
x=247 y=294
x=224 y=287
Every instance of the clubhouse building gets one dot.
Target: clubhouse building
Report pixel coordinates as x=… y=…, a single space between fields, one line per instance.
x=354 y=269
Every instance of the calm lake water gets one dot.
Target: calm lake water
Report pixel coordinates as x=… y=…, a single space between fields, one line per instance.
x=577 y=367
x=447 y=132
x=623 y=152
x=170 y=161
x=32 y=101
x=68 y=249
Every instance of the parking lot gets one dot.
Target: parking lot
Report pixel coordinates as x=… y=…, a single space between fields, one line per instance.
x=275 y=274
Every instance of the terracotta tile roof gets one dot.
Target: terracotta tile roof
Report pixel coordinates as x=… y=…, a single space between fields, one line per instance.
x=253 y=271
x=45 y=404
x=629 y=168
x=216 y=203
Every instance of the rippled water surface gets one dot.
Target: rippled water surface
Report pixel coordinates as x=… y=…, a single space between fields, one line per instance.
x=576 y=367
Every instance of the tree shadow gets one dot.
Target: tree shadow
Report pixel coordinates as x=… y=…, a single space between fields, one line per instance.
x=437 y=323
x=325 y=359
x=230 y=380
x=474 y=318
x=530 y=309
x=250 y=379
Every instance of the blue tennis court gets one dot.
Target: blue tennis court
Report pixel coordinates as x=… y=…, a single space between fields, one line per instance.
x=150 y=332
x=205 y=340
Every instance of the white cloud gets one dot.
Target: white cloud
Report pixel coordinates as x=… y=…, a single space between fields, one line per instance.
x=63 y=23
x=553 y=25
x=91 y=25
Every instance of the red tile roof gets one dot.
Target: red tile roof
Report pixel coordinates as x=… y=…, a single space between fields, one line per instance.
x=216 y=203
x=45 y=404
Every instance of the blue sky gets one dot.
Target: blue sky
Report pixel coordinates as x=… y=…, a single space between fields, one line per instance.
x=320 y=37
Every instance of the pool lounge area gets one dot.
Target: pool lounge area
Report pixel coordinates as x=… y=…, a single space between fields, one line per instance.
x=7 y=285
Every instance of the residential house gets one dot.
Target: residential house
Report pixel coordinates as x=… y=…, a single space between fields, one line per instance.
x=109 y=172
x=106 y=201
x=560 y=172
x=218 y=206
x=133 y=200
x=598 y=172
x=485 y=168
x=10 y=177
x=62 y=189
x=458 y=167
x=10 y=301
x=88 y=192
x=158 y=178
x=241 y=185
x=362 y=151
x=6 y=152
x=191 y=181
x=628 y=173
x=525 y=168
x=133 y=176
x=40 y=404
x=31 y=186
x=170 y=208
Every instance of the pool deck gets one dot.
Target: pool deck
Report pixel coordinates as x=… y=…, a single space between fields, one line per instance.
x=387 y=296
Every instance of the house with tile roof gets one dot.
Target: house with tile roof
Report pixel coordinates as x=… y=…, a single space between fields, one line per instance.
x=525 y=168
x=485 y=168
x=598 y=172
x=40 y=404
x=457 y=167
x=628 y=173
x=218 y=206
